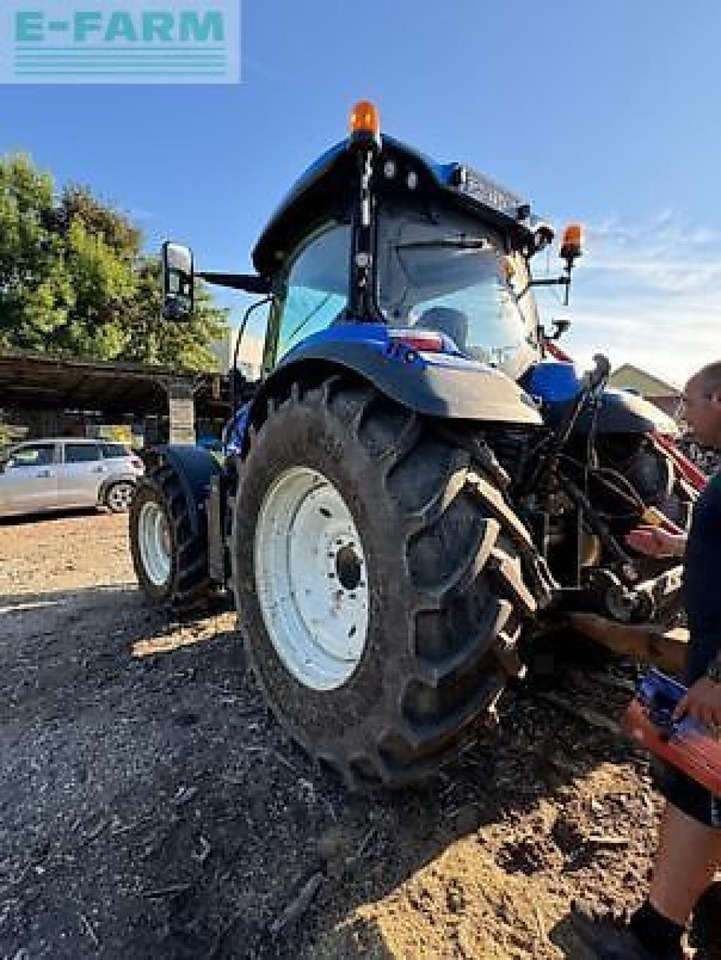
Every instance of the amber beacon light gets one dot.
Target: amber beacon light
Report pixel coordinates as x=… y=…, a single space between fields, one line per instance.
x=572 y=243
x=364 y=119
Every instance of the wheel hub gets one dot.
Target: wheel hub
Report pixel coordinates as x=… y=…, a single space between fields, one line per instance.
x=348 y=567
x=311 y=579
x=120 y=495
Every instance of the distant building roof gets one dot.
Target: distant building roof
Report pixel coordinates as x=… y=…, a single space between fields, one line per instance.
x=37 y=381
x=630 y=377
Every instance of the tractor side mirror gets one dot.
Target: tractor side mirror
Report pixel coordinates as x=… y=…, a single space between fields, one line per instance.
x=178 y=281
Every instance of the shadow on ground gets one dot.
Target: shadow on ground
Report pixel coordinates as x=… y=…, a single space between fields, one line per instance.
x=151 y=807
x=47 y=516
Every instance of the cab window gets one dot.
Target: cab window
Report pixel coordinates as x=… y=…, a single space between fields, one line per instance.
x=316 y=288
x=452 y=273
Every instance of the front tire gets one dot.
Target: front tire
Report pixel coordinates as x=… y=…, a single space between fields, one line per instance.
x=170 y=560
x=376 y=551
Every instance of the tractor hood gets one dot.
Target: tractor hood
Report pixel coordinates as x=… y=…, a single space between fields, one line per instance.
x=325 y=189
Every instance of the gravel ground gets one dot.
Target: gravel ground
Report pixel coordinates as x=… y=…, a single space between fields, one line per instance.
x=151 y=807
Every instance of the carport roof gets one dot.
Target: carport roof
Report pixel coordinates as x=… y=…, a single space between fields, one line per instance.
x=34 y=381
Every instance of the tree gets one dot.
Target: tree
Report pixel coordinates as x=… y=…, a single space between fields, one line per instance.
x=74 y=280
x=181 y=343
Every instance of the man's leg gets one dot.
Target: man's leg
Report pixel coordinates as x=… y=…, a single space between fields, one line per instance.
x=688 y=856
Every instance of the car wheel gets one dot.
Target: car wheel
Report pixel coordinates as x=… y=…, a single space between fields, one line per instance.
x=118 y=496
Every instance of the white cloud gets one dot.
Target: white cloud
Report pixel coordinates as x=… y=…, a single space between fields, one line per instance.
x=647 y=293
x=658 y=342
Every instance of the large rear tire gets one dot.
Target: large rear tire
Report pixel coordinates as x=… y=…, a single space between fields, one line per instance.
x=170 y=560
x=378 y=585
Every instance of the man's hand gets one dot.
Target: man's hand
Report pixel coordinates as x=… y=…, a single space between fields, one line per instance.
x=655 y=542
x=702 y=702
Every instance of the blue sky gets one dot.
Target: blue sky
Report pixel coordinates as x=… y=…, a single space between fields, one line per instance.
x=606 y=113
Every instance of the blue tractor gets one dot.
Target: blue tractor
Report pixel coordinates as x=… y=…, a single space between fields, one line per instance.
x=415 y=488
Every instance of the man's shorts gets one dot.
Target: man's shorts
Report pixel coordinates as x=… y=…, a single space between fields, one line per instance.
x=687 y=795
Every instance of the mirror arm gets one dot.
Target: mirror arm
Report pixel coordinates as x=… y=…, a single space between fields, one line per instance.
x=237 y=281
x=564 y=281
x=553 y=282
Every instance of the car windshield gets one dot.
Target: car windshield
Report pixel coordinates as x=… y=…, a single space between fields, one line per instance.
x=450 y=273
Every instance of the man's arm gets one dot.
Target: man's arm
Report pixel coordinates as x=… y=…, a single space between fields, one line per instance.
x=703 y=698
x=655 y=542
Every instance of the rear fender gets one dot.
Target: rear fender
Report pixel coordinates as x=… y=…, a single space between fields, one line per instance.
x=444 y=385
x=194 y=468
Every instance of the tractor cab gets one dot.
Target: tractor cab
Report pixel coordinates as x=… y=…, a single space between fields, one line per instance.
x=438 y=269
x=375 y=232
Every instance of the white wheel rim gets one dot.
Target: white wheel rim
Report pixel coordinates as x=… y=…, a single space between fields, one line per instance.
x=154 y=543
x=120 y=495
x=311 y=579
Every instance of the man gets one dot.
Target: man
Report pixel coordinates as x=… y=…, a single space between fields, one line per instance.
x=689 y=848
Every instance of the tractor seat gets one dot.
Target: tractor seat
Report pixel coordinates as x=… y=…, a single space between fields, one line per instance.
x=452 y=322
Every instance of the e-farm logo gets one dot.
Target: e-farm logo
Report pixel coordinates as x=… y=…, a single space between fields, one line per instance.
x=120 y=41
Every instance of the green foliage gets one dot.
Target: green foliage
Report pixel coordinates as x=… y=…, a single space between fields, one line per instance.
x=74 y=281
x=154 y=339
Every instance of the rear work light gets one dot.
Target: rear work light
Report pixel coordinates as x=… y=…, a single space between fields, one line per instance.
x=423 y=341
x=572 y=242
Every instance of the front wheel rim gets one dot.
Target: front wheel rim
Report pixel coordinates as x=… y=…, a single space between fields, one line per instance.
x=311 y=579
x=154 y=543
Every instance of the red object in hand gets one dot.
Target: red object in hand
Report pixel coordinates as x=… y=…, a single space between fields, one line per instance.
x=685 y=744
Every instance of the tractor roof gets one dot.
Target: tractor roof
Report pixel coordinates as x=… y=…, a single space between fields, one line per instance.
x=326 y=187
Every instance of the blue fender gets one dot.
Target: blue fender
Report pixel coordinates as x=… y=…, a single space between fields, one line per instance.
x=557 y=383
x=444 y=384
x=194 y=468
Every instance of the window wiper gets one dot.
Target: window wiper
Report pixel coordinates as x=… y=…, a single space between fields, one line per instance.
x=460 y=243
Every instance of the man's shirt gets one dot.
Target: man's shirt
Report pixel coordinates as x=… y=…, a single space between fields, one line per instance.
x=702 y=581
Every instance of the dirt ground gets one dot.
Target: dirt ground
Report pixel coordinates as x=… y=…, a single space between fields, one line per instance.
x=150 y=807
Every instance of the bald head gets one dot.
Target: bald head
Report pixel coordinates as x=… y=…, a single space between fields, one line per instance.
x=709 y=379
x=702 y=404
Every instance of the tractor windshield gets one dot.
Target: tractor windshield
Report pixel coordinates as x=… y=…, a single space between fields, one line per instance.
x=450 y=273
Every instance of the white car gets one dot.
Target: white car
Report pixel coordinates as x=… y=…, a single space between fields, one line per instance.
x=67 y=472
